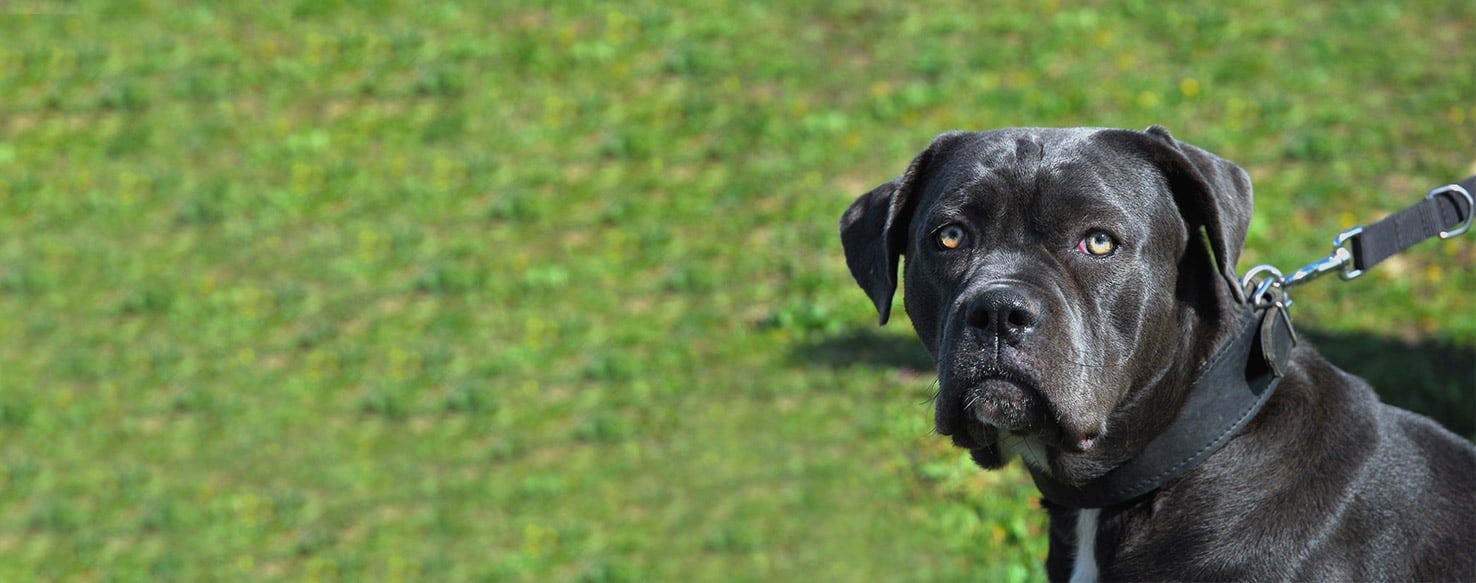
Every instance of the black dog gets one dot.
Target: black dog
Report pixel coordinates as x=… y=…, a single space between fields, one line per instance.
x=1072 y=285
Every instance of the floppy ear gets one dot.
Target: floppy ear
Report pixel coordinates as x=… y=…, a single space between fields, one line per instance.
x=1210 y=192
x=873 y=242
x=874 y=231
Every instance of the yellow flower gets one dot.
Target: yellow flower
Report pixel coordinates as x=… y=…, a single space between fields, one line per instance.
x=1148 y=100
x=1189 y=87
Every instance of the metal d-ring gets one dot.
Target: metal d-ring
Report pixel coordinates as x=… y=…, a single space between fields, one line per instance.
x=1470 y=208
x=1259 y=294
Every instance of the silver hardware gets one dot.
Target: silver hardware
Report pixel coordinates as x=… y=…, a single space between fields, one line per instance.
x=1265 y=286
x=1341 y=261
x=1340 y=243
x=1470 y=206
x=1338 y=261
x=1264 y=291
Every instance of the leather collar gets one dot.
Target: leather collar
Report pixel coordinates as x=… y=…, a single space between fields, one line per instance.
x=1226 y=394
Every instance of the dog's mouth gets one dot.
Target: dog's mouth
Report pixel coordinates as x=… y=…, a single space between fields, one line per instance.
x=973 y=412
x=975 y=434
x=1002 y=403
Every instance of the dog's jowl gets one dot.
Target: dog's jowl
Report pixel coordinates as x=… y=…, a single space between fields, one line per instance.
x=1077 y=288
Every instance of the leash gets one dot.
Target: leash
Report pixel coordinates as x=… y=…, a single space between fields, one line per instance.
x=1241 y=376
x=1445 y=212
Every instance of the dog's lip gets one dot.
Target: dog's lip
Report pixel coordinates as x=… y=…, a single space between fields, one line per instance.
x=1010 y=375
x=1047 y=427
x=968 y=427
x=978 y=401
x=972 y=434
x=1043 y=426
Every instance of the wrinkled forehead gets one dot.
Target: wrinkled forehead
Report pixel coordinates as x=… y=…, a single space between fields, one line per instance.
x=1066 y=165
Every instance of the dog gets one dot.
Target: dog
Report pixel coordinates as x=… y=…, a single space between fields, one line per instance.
x=1072 y=284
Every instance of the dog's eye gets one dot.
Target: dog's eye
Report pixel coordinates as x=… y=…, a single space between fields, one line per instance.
x=951 y=237
x=1097 y=243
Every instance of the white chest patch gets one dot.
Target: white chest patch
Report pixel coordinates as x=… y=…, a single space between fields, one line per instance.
x=1084 y=566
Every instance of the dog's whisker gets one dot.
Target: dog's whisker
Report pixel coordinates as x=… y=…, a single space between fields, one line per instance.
x=937 y=390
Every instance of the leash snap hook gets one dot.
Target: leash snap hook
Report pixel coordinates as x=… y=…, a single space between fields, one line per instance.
x=1265 y=286
x=1341 y=249
x=1341 y=260
x=1452 y=190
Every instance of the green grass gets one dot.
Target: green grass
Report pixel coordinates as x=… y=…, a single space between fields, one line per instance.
x=529 y=292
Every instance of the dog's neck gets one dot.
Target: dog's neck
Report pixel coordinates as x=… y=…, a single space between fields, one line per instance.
x=1150 y=411
x=1147 y=412
x=1225 y=396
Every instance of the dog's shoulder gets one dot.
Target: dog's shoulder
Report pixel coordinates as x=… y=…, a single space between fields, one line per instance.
x=1323 y=408
x=1370 y=463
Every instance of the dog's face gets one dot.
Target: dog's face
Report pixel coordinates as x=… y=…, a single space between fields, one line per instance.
x=1060 y=280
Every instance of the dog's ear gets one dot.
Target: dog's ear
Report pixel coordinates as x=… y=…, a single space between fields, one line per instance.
x=1211 y=192
x=874 y=230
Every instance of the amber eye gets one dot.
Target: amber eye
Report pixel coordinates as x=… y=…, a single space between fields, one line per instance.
x=1097 y=243
x=951 y=237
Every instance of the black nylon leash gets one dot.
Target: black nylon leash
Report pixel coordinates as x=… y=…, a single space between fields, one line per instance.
x=1445 y=212
x=1244 y=372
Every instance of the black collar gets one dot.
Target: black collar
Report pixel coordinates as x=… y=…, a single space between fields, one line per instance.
x=1228 y=392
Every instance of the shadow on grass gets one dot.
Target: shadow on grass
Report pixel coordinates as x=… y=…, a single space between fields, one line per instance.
x=871 y=346
x=1435 y=379
x=1432 y=378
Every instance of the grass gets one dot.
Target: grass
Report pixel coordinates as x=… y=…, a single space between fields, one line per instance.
x=532 y=291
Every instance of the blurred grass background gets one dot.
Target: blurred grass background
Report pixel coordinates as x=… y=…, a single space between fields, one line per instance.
x=551 y=291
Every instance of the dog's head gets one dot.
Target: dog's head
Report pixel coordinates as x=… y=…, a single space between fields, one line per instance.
x=1067 y=281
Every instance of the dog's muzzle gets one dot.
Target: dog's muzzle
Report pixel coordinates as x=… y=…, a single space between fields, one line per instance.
x=991 y=381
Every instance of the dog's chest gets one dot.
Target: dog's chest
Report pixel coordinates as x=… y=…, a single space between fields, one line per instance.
x=1084 y=562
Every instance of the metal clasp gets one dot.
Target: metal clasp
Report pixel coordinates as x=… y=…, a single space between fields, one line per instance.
x=1470 y=207
x=1266 y=287
x=1337 y=261
x=1263 y=287
x=1341 y=249
x=1341 y=261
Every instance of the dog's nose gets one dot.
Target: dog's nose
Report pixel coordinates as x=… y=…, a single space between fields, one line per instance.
x=1005 y=312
